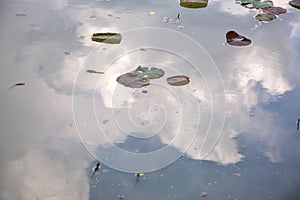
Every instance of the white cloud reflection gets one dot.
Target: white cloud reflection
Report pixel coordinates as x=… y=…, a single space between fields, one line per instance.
x=56 y=170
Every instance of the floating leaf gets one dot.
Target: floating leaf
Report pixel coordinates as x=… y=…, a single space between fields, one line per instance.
x=110 y=38
x=132 y=80
x=265 y=17
x=193 y=3
x=261 y=4
x=257 y=4
x=295 y=3
x=234 y=39
x=151 y=73
x=274 y=10
x=178 y=80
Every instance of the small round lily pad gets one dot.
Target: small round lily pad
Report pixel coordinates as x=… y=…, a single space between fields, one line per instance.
x=151 y=73
x=234 y=39
x=265 y=17
x=178 y=80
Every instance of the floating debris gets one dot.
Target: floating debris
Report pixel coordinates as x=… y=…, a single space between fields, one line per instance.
x=144 y=91
x=295 y=3
x=203 y=194
x=93 y=17
x=151 y=73
x=170 y=20
x=298 y=124
x=178 y=80
x=67 y=53
x=15 y=85
x=274 y=10
x=265 y=17
x=109 y=38
x=132 y=80
x=193 y=3
x=20 y=14
x=94 y=71
x=178 y=16
x=138 y=175
x=234 y=39
x=120 y=197
x=151 y=13
x=96 y=168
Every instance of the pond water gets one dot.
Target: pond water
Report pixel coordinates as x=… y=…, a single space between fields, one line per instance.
x=231 y=132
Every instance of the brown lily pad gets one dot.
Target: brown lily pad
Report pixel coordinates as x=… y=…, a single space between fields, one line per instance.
x=178 y=80
x=274 y=10
x=295 y=3
x=132 y=80
x=234 y=39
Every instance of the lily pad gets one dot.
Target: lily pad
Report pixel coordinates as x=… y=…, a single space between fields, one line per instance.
x=132 y=80
x=178 y=80
x=274 y=10
x=257 y=4
x=234 y=39
x=262 y=4
x=151 y=73
x=110 y=38
x=265 y=17
x=295 y=3
x=193 y=3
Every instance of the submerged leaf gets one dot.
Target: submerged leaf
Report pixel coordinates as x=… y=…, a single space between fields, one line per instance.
x=193 y=3
x=110 y=38
x=274 y=10
x=295 y=3
x=265 y=17
x=151 y=73
x=234 y=39
x=132 y=80
x=178 y=80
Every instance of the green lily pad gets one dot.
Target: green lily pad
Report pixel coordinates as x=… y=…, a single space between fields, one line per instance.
x=295 y=3
x=110 y=38
x=257 y=4
x=178 y=80
x=265 y=17
x=132 y=80
x=274 y=10
x=262 y=4
x=193 y=3
x=151 y=73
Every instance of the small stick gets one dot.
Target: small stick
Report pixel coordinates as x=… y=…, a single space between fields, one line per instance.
x=17 y=84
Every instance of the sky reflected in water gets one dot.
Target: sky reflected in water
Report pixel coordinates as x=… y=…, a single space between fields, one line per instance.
x=55 y=126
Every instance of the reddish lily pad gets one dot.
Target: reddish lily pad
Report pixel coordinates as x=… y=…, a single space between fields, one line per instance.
x=132 y=80
x=110 y=38
x=234 y=39
x=193 y=3
x=265 y=17
x=274 y=10
x=295 y=3
x=178 y=80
